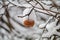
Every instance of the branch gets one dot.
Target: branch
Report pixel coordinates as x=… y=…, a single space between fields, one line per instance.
x=5 y=29
x=7 y=15
x=40 y=4
x=29 y=12
x=54 y=4
x=48 y=10
x=18 y=22
x=16 y=5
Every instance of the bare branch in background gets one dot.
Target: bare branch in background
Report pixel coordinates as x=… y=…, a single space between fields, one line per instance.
x=15 y=4
x=40 y=4
x=5 y=29
x=7 y=15
x=38 y=7
x=54 y=4
x=29 y=12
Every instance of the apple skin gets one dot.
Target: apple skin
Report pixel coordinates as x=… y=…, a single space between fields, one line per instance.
x=29 y=23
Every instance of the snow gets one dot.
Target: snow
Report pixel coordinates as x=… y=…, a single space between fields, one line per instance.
x=51 y=31
x=4 y=25
x=51 y=25
x=44 y=24
x=47 y=2
x=2 y=9
x=33 y=3
x=0 y=6
x=26 y=5
x=26 y=11
x=54 y=9
x=35 y=32
x=45 y=39
x=5 y=18
x=38 y=6
x=22 y=4
x=41 y=10
x=58 y=3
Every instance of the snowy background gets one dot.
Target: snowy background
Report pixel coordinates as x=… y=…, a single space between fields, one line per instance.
x=45 y=13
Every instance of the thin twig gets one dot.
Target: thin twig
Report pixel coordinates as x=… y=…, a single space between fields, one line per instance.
x=7 y=15
x=5 y=29
x=29 y=12
x=40 y=4
x=15 y=4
